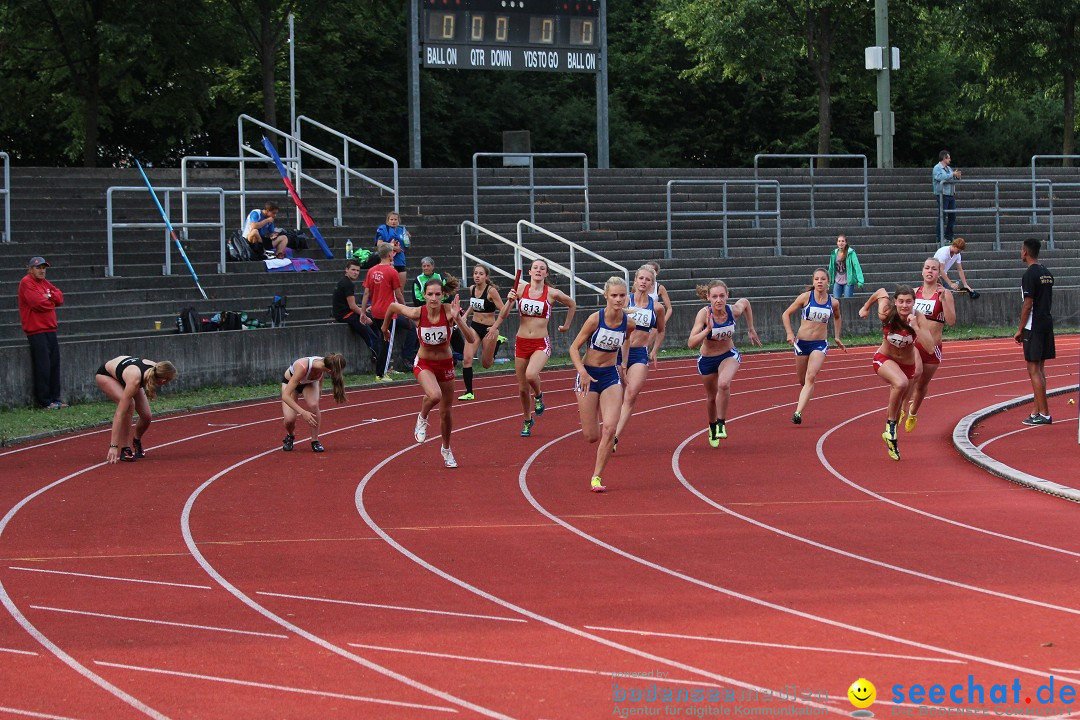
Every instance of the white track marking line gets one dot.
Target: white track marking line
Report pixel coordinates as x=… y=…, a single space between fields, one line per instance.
x=992 y=533
x=781 y=646
x=1019 y=430
x=31 y=713
x=531 y=666
x=271 y=686
x=110 y=577
x=390 y=607
x=107 y=616
x=196 y=553
x=523 y=485
x=13 y=651
x=362 y=510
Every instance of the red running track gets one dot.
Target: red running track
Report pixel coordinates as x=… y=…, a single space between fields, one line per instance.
x=220 y=578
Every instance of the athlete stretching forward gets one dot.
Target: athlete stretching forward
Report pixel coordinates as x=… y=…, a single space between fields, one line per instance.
x=599 y=382
x=815 y=307
x=936 y=305
x=532 y=347
x=714 y=328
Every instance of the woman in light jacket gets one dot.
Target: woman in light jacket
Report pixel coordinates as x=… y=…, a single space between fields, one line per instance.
x=844 y=269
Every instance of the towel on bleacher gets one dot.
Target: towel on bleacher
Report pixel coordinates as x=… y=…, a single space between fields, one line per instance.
x=290 y=265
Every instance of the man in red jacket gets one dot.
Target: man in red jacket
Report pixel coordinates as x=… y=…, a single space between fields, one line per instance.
x=38 y=300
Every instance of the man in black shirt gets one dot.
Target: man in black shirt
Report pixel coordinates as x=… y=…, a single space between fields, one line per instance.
x=1036 y=326
x=347 y=311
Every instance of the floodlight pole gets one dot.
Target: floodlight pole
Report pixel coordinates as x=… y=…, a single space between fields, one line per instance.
x=414 y=83
x=603 y=159
x=883 y=128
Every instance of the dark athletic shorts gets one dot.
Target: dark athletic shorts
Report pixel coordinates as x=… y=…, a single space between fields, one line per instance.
x=1038 y=346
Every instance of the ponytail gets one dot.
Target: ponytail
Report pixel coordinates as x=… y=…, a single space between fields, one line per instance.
x=334 y=363
x=162 y=372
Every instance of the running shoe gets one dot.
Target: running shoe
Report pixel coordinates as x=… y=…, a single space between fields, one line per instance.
x=797 y=418
x=597 y=485
x=56 y=405
x=714 y=436
x=538 y=406
x=909 y=424
x=420 y=431
x=1038 y=419
x=526 y=431
x=316 y=446
x=448 y=458
x=890 y=443
x=501 y=339
x=126 y=455
x=136 y=444
x=467 y=396
x=287 y=443
x=722 y=430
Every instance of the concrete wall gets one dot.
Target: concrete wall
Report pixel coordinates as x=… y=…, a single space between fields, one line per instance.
x=258 y=356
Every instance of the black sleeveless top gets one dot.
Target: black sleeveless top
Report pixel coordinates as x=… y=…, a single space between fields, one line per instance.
x=129 y=362
x=482 y=303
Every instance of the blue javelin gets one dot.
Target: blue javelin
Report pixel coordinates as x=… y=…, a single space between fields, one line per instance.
x=169 y=225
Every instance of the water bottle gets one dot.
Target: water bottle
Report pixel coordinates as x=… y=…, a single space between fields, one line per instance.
x=405 y=237
x=348 y=248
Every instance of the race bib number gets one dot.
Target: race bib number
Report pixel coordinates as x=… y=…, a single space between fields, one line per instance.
x=642 y=318
x=607 y=339
x=723 y=332
x=533 y=308
x=899 y=341
x=924 y=307
x=477 y=304
x=820 y=315
x=433 y=335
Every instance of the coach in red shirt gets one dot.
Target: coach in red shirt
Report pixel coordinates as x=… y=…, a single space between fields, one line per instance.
x=38 y=300
x=382 y=286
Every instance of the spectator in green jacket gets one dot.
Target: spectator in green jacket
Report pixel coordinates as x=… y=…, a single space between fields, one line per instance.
x=844 y=269
x=427 y=272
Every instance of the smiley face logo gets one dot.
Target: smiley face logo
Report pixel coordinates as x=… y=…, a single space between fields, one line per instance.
x=862 y=693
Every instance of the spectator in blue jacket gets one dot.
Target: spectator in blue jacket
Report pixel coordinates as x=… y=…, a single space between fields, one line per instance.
x=394 y=234
x=945 y=179
x=261 y=233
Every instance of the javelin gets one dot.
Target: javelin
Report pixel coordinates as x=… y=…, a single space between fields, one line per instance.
x=169 y=225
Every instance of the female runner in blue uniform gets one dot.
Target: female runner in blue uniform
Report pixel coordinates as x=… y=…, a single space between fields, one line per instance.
x=812 y=344
x=484 y=304
x=936 y=305
x=896 y=361
x=599 y=383
x=131 y=383
x=303 y=378
x=434 y=367
x=643 y=343
x=714 y=328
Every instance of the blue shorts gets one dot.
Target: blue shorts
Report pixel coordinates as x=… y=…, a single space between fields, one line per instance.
x=711 y=365
x=603 y=378
x=805 y=347
x=638 y=356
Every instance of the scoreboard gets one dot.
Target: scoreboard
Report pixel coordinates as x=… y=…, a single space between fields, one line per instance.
x=542 y=35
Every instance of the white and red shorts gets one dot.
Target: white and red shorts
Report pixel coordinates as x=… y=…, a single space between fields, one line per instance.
x=908 y=370
x=443 y=369
x=525 y=347
x=929 y=358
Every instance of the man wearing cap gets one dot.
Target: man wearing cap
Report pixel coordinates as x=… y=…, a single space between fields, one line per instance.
x=38 y=300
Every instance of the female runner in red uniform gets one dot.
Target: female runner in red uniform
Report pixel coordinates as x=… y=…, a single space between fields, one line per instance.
x=642 y=344
x=532 y=347
x=599 y=387
x=936 y=304
x=303 y=378
x=714 y=330
x=434 y=367
x=896 y=361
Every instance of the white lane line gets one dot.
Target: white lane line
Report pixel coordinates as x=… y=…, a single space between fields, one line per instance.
x=13 y=651
x=31 y=713
x=523 y=485
x=270 y=686
x=531 y=666
x=577 y=632
x=110 y=577
x=877 y=496
x=780 y=646
x=170 y=623
x=391 y=607
x=981 y=448
x=196 y=554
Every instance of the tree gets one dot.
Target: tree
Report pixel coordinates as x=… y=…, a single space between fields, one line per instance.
x=265 y=25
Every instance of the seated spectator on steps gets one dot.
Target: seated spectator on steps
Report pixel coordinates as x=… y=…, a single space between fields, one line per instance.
x=261 y=233
x=394 y=235
x=347 y=311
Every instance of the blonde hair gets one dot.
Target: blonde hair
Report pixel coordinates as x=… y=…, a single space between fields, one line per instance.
x=334 y=363
x=649 y=268
x=703 y=290
x=611 y=281
x=162 y=372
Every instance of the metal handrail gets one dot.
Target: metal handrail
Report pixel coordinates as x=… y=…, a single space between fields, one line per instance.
x=6 y=192
x=346 y=141
x=532 y=187
x=998 y=209
x=167 y=267
x=574 y=247
x=725 y=213
x=242 y=193
x=865 y=185
x=300 y=148
x=1034 y=158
